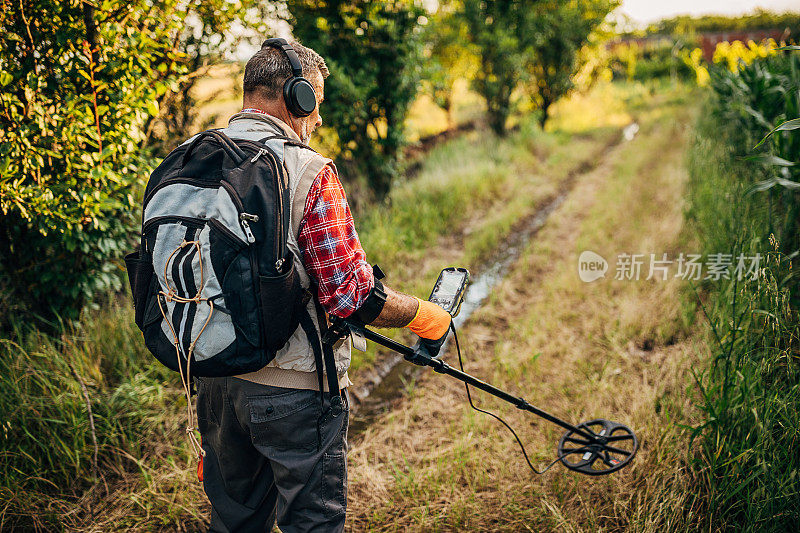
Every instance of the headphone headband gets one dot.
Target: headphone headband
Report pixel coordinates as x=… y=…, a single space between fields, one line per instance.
x=281 y=44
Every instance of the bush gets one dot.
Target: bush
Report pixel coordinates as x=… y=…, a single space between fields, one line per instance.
x=76 y=92
x=79 y=92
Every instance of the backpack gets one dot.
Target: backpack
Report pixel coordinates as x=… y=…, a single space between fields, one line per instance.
x=214 y=285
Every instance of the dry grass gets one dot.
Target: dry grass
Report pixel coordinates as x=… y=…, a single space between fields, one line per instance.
x=611 y=349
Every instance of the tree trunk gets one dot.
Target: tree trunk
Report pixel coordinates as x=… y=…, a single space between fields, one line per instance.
x=545 y=112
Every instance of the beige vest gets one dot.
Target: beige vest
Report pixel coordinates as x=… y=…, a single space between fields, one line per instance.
x=294 y=366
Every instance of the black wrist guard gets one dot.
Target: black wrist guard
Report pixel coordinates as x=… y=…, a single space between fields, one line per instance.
x=373 y=305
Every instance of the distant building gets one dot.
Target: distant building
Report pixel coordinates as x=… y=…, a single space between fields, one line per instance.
x=710 y=40
x=707 y=40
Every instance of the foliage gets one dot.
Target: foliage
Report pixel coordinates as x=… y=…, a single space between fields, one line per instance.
x=450 y=56
x=502 y=32
x=651 y=60
x=372 y=50
x=566 y=30
x=57 y=456
x=747 y=460
x=78 y=86
x=82 y=86
x=759 y=20
x=533 y=45
x=213 y=33
x=753 y=101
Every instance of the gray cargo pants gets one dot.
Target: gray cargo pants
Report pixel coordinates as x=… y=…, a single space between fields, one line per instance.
x=266 y=459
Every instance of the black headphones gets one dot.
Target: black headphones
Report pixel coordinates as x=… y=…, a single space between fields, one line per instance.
x=299 y=95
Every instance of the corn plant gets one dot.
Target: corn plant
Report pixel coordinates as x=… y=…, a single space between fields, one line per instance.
x=747 y=450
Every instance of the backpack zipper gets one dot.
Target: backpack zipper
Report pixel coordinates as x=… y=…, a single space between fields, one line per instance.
x=230 y=236
x=280 y=241
x=244 y=218
x=189 y=221
x=261 y=152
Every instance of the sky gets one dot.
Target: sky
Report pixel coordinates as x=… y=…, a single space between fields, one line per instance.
x=645 y=11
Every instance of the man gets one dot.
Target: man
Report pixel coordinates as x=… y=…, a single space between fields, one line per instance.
x=272 y=452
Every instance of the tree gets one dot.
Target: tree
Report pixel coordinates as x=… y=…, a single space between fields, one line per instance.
x=565 y=30
x=450 y=56
x=502 y=32
x=372 y=49
x=81 y=81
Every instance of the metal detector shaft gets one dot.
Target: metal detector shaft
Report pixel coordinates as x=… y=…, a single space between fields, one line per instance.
x=423 y=359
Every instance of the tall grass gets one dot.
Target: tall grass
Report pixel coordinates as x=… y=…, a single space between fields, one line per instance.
x=747 y=450
x=80 y=411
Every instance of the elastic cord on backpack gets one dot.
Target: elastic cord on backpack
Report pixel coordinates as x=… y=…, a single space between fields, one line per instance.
x=172 y=296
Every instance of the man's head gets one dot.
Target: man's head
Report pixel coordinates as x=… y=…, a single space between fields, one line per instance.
x=268 y=70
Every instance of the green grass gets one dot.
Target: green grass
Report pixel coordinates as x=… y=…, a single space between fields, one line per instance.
x=747 y=450
x=47 y=478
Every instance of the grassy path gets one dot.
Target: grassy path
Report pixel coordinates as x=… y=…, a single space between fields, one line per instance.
x=614 y=349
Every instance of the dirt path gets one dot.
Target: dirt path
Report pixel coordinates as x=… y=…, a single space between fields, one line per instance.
x=612 y=349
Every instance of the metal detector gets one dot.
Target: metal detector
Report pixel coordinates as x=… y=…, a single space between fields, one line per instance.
x=594 y=448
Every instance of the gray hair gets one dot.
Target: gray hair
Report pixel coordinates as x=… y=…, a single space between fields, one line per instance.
x=269 y=69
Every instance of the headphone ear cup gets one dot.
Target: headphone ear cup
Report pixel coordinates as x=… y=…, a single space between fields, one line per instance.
x=301 y=100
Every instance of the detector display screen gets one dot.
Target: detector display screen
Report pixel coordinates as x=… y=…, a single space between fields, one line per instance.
x=449 y=289
x=451 y=283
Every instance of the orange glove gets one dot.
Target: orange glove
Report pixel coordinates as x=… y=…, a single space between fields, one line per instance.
x=430 y=322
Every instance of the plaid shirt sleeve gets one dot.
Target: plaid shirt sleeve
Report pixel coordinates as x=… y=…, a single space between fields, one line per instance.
x=331 y=251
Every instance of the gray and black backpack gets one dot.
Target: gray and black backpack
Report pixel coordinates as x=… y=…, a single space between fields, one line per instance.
x=214 y=285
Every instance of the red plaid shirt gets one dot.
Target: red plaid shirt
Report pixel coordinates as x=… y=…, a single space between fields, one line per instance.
x=332 y=253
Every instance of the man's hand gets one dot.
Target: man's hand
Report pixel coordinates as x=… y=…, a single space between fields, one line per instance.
x=431 y=323
x=431 y=346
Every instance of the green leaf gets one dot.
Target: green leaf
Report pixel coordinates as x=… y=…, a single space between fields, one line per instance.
x=770 y=159
x=152 y=107
x=789 y=125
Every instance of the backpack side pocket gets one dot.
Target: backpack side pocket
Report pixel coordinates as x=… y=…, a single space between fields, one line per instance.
x=140 y=276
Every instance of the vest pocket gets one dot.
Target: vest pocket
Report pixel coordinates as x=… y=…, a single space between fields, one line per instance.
x=280 y=307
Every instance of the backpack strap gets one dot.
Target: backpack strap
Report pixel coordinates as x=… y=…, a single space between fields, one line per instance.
x=313 y=338
x=309 y=172
x=324 y=359
x=330 y=361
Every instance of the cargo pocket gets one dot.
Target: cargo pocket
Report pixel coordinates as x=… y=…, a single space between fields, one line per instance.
x=285 y=422
x=280 y=306
x=334 y=483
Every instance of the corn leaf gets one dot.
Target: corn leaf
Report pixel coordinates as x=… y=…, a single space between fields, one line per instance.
x=785 y=126
x=770 y=159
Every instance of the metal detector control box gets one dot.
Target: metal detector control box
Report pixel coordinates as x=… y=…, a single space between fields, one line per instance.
x=448 y=292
